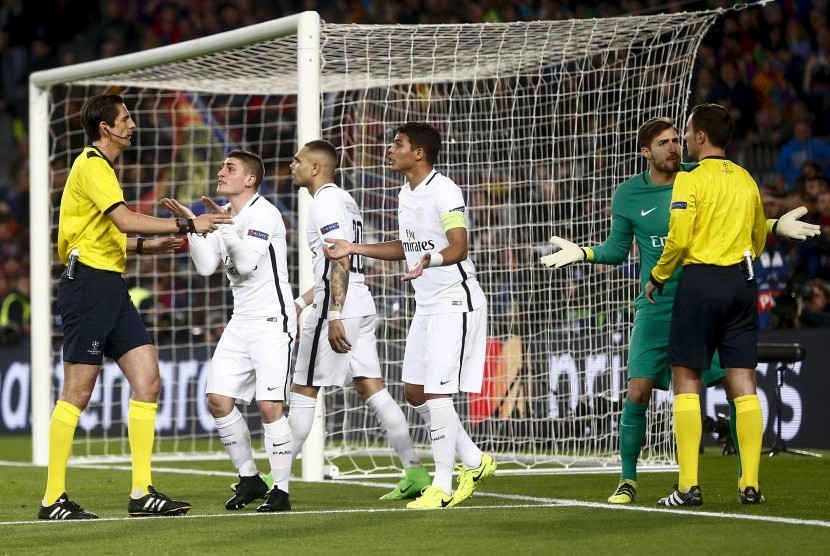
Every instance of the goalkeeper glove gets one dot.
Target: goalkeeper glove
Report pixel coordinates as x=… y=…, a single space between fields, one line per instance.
x=568 y=253
x=790 y=227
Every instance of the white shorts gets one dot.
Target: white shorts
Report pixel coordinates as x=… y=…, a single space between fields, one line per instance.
x=252 y=357
x=445 y=352
x=319 y=365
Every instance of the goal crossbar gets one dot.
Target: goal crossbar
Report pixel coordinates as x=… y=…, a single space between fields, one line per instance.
x=270 y=52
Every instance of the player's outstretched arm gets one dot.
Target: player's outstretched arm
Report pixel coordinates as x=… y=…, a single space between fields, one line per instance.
x=568 y=253
x=454 y=253
x=387 y=251
x=790 y=227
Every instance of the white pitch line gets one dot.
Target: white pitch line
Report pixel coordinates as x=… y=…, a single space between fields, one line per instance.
x=526 y=502
x=537 y=503
x=285 y=514
x=624 y=507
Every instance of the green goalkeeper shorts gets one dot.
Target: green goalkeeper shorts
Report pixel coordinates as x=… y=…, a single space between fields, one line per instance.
x=647 y=355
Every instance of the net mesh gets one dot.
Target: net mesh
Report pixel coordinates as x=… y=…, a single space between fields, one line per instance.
x=539 y=123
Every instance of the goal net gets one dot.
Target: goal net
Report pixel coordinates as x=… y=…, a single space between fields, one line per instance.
x=539 y=122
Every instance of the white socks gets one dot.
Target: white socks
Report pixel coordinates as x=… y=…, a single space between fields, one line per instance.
x=423 y=411
x=302 y=418
x=466 y=449
x=468 y=452
x=236 y=438
x=394 y=425
x=444 y=432
x=279 y=447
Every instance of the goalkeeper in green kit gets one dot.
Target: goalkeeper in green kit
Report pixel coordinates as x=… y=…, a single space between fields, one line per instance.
x=640 y=213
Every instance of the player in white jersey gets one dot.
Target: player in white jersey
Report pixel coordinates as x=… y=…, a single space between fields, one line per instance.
x=446 y=343
x=253 y=356
x=338 y=341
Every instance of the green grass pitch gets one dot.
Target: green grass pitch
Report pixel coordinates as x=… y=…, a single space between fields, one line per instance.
x=514 y=514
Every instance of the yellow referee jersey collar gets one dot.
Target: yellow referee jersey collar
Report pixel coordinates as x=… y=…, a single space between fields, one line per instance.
x=99 y=153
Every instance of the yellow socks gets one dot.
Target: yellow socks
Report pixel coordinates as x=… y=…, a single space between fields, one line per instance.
x=142 y=431
x=749 y=423
x=688 y=429
x=62 y=427
x=65 y=416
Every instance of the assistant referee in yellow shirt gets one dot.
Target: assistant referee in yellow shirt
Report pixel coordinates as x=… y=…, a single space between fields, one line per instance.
x=717 y=227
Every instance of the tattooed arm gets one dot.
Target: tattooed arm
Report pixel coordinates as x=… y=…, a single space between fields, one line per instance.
x=339 y=287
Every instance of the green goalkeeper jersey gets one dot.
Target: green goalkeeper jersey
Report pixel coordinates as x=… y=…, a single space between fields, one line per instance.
x=640 y=212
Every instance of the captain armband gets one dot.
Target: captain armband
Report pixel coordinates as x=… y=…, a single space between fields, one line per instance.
x=453 y=219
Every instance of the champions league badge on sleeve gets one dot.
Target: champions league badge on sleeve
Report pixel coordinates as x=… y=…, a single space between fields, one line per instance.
x=258 y=234
x=329 y=227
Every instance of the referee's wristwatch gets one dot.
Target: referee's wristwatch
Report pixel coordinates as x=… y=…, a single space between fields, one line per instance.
x=186 y=225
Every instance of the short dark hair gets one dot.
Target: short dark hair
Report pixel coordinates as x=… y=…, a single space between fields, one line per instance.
x=714 y=120
x=423 y=136
x=97 y=109
x=813 y=165
x=252 y=163
x=651 y=129
x=323 y=147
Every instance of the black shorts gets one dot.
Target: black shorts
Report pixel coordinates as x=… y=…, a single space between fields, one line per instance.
x=98 y=317
x=714 y=308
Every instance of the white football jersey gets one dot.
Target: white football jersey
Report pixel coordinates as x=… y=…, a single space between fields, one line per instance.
x=444 y=289
x=334 y=214
x=256 y=242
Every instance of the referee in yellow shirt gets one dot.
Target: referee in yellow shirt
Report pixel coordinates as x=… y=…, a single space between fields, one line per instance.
x=716 y=229
x=98 y=317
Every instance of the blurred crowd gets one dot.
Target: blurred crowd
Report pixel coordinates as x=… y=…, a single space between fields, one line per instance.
x=769 y=65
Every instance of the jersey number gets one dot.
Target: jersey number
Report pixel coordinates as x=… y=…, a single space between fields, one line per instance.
x=356 y=261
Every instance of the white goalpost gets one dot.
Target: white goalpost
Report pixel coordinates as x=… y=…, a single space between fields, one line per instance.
x=539 y=122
